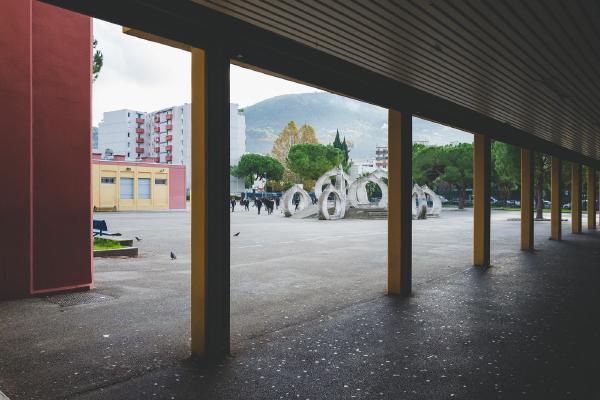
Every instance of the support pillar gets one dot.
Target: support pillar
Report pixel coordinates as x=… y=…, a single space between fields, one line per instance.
x=527 y=179
x=555 y=216
x=591 y=198
x=210 y=214
x=481 y=200
x=575 y=198
x=399 y=203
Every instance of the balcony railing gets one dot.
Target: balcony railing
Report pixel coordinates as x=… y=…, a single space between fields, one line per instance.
x=169 y=127
x=157 y=149
x=156 y=118
x=169 y=147
x=139 y=150
x=157 y=139
x=157 y=129
x=139 y=130
x=168 y=138
x=169 y=117
x=156 y=159
x=139 y=120
x=169 y=158
x=139 y=140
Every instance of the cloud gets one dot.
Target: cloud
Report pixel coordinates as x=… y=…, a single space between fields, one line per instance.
x=147 y=76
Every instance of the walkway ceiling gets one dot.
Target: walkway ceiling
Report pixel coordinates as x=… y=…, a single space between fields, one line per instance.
x=524 y=71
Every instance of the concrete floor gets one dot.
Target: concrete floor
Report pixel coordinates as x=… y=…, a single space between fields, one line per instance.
x=310 y=318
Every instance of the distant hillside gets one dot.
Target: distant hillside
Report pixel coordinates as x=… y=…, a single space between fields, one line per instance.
x=363 y=124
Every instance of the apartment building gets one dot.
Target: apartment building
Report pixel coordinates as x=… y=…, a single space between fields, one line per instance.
x=381 y=157
x=163 y=135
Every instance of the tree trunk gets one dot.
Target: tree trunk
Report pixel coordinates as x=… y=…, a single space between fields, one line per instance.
x=461 y=198
x=539 y=208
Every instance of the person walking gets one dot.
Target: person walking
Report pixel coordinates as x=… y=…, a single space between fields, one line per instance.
x=258 y=205
x=247 y=204
x=277 y=202
x=232 y=205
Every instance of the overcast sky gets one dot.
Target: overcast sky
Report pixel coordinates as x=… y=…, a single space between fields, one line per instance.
x=146 y=76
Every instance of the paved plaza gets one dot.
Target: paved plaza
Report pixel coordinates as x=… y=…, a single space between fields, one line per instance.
x=290 y=279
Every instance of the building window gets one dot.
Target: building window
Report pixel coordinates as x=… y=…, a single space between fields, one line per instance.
x=126 y=188
x=160 y=181
x=144 y=192
x=107 y=180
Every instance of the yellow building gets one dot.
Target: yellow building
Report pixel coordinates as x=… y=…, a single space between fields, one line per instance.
x=137 y=186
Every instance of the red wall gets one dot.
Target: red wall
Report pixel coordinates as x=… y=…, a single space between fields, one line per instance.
x=177 y=188
x=47 y=59
x=15 y=102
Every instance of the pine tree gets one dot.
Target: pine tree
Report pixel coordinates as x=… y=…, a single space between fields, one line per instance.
x=337 y=142
x=345 y=151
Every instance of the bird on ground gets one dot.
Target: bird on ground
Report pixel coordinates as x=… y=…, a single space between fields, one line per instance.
x=139 y=239
x=173 y=256
x=236 y=234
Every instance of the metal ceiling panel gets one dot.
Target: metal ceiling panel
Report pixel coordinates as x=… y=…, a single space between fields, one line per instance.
x=533 y=64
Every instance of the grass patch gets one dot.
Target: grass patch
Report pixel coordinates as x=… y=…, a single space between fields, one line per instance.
x=106 y=244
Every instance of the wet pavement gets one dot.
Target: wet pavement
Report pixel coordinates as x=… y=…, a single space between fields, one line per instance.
x=310 y=318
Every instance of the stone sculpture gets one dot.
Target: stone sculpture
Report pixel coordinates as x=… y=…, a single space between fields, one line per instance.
x=436 y=203
x=357 y=192
x=288 y=200
x=419 y=203
x=346 y=193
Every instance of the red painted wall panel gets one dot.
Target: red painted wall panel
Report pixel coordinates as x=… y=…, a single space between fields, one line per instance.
x=61 y=82
x=15 y=102
x=177 y=188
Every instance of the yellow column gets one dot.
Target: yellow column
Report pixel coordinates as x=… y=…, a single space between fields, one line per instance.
x=527 y=173
x=399 y=203
x=481 y=200
x=575 y=198
x=210 y=214
x=198 y=203
x=555 y=218
x=591 y=198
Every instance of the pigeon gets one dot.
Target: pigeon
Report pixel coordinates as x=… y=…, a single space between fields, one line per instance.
x=236 y=234
x=173 y=256
x=139 y=239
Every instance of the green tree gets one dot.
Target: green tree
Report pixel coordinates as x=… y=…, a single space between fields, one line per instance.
x=541 y=182
x=506 y=162
x=428 y=164
x=98 y=60
x=458 y=169
x=310 y=161
x=252 y=166
x=343 y=147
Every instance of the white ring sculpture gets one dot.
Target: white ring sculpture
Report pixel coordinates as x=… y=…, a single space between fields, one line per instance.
x=357 y=193
x=436 y=208
x=419 y=203
x=326 y=179
x=288 y=198
x=340 y=207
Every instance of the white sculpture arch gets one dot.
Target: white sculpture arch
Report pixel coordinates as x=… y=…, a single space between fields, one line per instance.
x=419 y=203
x=339 y=200
x=436 y=208
x=357 y=192
x=288 y=198
x=337 y=173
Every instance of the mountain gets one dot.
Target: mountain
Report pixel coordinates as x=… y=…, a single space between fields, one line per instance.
x=364 y=125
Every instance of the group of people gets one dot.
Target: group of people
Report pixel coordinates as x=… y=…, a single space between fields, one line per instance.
x=270 y=203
